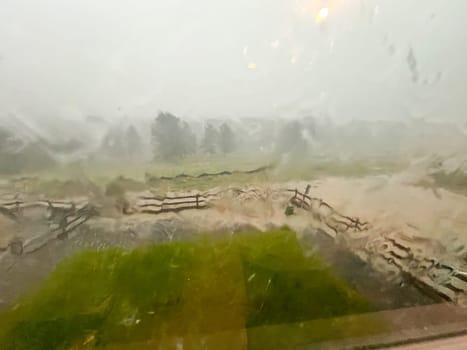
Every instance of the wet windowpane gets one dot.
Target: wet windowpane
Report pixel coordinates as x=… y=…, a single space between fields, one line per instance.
x=233 y=174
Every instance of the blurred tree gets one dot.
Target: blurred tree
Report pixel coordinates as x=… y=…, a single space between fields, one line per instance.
x=6 y=158
x=171 y=137
x=188 y=139
x=4 y=136
x=16 y=156
x=33 y=156
x=66 y=147
x=227 y=142
x=210 y=140
x=290 y=139
x=133 y=142
x=113 y=143
x=8 y=143
x=120 y=142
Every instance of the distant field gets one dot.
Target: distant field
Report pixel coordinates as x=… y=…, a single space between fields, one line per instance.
x=136 y=170
x=89 y=177
x=152 y=296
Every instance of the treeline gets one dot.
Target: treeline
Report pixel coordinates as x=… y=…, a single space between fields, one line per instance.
x=169 y=137
x=122 y=142
x=17 y=156
x=166 y=137
x=172 y=137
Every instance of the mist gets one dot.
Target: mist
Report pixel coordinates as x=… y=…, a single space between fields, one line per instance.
x=248 y=174
x=368 y=59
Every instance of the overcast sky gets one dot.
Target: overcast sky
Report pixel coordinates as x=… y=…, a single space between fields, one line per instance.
x=368 y=59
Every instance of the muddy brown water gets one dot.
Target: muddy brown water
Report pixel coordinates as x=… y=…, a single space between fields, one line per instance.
x=384 y=294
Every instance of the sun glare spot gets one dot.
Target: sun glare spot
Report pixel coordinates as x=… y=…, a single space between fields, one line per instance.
x=322 y=14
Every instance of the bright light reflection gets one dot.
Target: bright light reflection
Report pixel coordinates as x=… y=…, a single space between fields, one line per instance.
x=322 y=14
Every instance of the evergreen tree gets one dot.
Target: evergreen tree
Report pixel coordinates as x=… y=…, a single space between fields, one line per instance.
x=171 y=137
x=227 y=142
x=291 y=139
x=210 y=140
x=133 y=142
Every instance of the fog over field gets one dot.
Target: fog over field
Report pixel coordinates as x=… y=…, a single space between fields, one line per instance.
x=362 y=59
x=248 y=174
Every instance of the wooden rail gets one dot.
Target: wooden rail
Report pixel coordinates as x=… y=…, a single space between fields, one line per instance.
x=62 y=218
x=446 y=280
x=157 y=205
x=397 y=252
x=335 y=221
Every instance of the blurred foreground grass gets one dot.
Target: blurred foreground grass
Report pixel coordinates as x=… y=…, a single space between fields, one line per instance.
x=249 y=291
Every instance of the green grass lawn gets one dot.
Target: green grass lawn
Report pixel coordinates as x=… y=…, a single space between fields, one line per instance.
x=212 y=291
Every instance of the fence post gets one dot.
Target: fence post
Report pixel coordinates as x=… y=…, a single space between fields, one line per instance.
x=304 y=195
x=197 y=200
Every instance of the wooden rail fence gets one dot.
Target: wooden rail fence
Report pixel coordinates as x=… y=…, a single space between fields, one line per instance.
x=408 y=258
x=157 y=205
x=324 y=212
